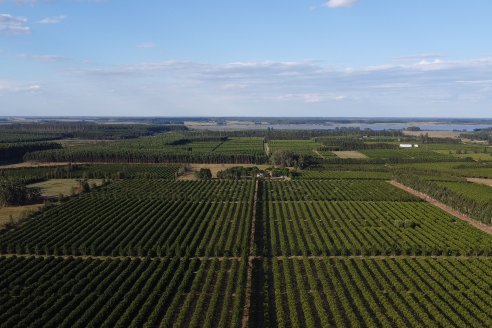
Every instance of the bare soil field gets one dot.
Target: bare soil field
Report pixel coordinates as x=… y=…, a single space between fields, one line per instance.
x=55 y=187
x=487 y=182
x=349 y=154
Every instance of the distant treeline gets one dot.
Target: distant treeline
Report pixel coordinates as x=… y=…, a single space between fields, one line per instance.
x=86 y=130
x=108 y=155
x=274 y=134
x=394 y=160
x=16 y=151
x=16 y=137
x=482 y=135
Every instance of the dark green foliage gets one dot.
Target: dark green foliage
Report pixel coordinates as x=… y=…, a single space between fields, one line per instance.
x=96 y=171
x=481 y=211
x=15 y=192
x=162 y=149
x=204 y=174
x=121 y=293
x=291 y=159
x=143 y=217
x=88 y=130
x=11 y=152
x=239 y=172
x=381 y=292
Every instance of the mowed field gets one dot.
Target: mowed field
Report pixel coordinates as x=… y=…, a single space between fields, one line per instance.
x=350 y=154
x=303 y=253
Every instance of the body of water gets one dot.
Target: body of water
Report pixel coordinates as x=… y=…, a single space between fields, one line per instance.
x=423 y=127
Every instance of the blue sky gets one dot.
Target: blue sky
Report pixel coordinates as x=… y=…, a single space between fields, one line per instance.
x=246 y=58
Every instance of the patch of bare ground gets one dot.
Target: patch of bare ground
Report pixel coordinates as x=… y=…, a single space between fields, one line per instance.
x=62 y=187
x=267 y=149
x=349 y=154
x=444 y=207
x=487 y=182
x=12 y=215
x=249 y=274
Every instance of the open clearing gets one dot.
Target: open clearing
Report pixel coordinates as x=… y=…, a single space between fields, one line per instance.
x=214 y=168
x=16 y=212
x=434 y=134
x=55 y=187
x=487 y=182
x=349 y=154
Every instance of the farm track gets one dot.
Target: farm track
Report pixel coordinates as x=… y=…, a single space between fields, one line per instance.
x=267 y=149
x=251 y=257
x=444 y=207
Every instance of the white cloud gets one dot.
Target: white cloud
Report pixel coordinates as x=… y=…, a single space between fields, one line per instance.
x=234 y=86
x=52 y=20
x=43 y=58
x=285 y=87
x=10 y=86
x=22 y=2
x=146 y=45
x=310 y=98
x=475 y=82
x=13 y=25
x=340 y=3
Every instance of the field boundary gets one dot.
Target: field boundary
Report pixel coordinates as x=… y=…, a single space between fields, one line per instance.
x=318 y=153
x=251 y=258
x=444 y=207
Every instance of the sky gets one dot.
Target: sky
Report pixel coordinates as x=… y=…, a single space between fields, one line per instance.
x=336 y=58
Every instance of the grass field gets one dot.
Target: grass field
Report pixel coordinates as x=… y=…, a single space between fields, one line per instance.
x=434 y=134
x=65 y=187
x=349 y=154
x=15 y=213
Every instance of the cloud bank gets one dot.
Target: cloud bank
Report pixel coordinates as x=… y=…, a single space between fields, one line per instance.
x=340 y=3
x=13 y=25
x=415 y=86
x=52 y=20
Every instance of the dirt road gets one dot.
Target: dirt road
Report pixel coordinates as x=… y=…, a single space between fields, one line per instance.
x=444 y=207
